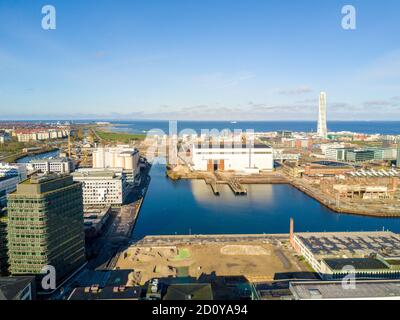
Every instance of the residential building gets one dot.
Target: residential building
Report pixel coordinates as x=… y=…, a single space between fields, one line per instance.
x=101 y=188
x=226 y=157
x=39 y=134
x=45 y=225
x=58 y=165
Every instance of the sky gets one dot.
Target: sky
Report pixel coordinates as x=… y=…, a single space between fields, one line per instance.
x=199 y=60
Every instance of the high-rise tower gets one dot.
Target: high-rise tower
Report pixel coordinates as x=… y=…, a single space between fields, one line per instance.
x=322 y=128
x=45 y=225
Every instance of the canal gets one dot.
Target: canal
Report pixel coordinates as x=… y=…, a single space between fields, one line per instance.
x=46 y=155
x=190 y=207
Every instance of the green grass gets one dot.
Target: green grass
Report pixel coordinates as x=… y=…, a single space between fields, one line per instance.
x=182 y=254
x=119 y=137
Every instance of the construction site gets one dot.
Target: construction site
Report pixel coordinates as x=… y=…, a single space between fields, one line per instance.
x=257 y=259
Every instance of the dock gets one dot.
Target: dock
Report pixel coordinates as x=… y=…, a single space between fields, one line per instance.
x=236 y=187
x=212 y=181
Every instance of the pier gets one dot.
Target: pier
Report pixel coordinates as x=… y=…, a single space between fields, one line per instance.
x=212 y=181
x=236 y=187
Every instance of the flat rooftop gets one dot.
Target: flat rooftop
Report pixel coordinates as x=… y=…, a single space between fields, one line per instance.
x=49 y=160
x=335 y=290
x=334 y=164
x=357 y=263
x=106 y=293
x=351 y=244
x=96 y=174
x=230 y=145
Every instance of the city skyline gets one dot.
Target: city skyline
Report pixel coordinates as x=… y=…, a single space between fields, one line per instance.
x=190 y=61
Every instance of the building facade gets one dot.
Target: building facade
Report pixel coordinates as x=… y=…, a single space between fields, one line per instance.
x=45 y=225
x=322 y=126
x=40 y=134
x=227 y=157
x=10 y=176
x=3 y=244
x=101 y=188
x=60 y=165
x=360 y=155
x=121 y=156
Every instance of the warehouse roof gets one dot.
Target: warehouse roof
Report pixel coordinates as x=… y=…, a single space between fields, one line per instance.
x=356 y=263
x=231 y=145
x=385 y=289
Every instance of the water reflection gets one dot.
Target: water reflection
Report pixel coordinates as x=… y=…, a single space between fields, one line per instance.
x=181 y=207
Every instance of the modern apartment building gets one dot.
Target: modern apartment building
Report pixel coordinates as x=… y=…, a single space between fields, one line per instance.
x=59 y=165
x=27 y=135
x=101 y=188
x=45 y=225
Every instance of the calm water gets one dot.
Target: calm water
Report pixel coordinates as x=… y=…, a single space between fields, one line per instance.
x=51 y=154
x=187 y=206
x=382 y=127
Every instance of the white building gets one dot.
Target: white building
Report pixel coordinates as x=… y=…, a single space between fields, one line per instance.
x=4 y=138
x=10 y=176
x=337 y=154
x=102 y=188
x=59 y=165
x=231 y=157
x=121 y=156
x=322 y=127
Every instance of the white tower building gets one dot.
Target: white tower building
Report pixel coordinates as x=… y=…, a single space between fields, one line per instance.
x=322 y=128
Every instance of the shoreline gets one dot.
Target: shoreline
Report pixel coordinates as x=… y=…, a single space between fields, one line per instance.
x=15 y=158
x=324 y=199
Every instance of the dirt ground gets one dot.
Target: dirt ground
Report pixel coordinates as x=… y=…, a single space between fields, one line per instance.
x=257 y=262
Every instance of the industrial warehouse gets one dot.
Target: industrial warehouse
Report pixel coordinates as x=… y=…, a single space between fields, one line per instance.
x=367 y=255
x=248 y=158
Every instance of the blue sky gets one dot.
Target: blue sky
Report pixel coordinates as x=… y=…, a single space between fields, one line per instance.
x=187 y=59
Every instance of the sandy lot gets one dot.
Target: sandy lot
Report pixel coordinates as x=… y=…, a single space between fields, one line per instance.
x=259 y=262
